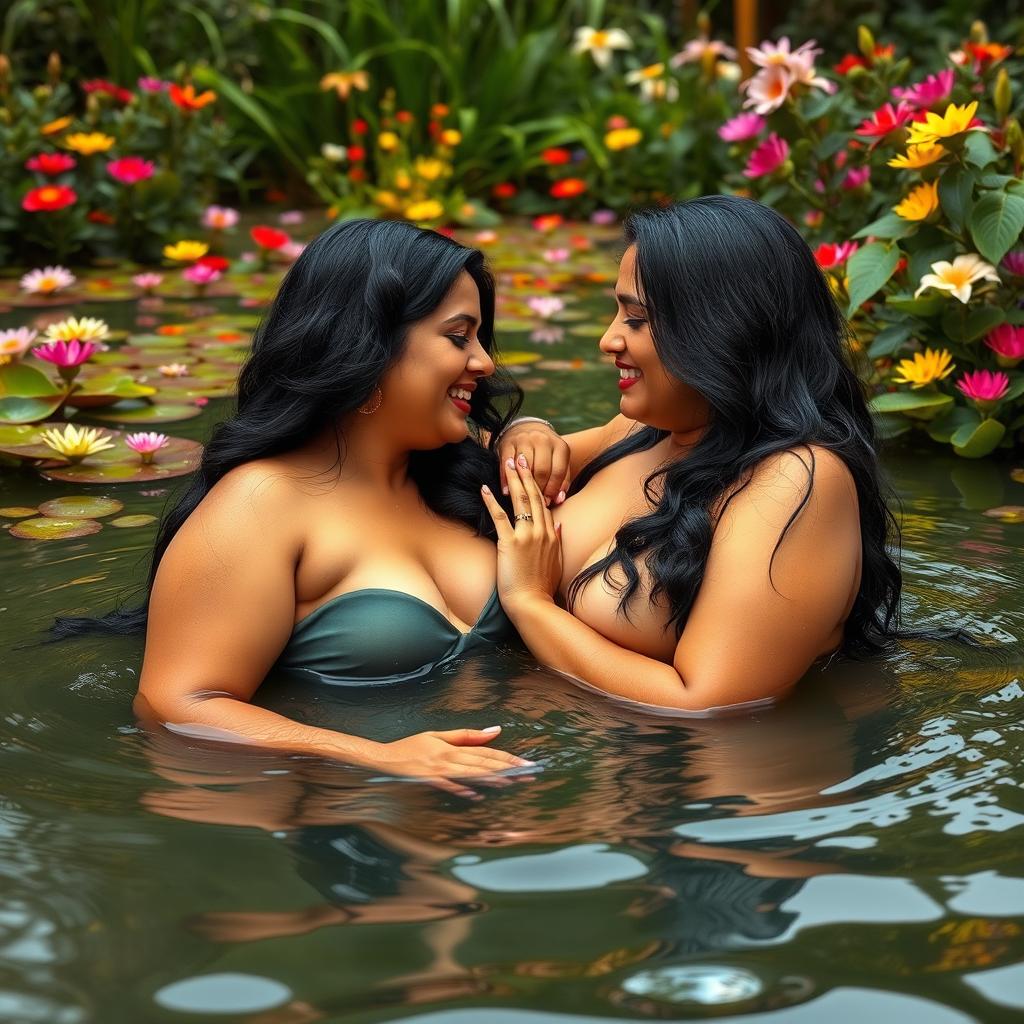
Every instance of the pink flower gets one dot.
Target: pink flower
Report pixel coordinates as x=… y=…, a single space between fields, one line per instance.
x=768 y=157
x=700 y=49
x=131 y=169
x=602 y=217
x=768 y=89
x=545 y=306
x=886 y=119
x=834 y=254
x=149 y=84
x=1014 y=262
x=933 y=90
x=291 y=250
x=146 y=444
x=984 y=385
x=1007 y=341
x=147 y=282
x=741 y=128
x=556 y=255
x=14 y=342
x=855 y=177
x=219 y=217
x=201 y=274
x=291 y=217
x=65 y=354
x=547 y=335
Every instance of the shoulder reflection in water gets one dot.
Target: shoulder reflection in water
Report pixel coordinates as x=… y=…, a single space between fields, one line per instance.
x=506 y=873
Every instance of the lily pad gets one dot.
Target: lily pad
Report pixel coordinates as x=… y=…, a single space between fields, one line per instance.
x=108 y=389
x=143 y=412
x=47 y=528
x=130 y=522
x=18 y=512
x=588 y=330
x=27 y=395
x=519 y=358
x=120 y=465
x=80 y=506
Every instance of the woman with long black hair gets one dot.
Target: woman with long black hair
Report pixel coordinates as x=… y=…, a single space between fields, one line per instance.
x=728 y=528
x=334 y=528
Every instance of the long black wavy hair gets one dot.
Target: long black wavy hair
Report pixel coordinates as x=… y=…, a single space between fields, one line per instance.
x=740 y=311
x=339 y=320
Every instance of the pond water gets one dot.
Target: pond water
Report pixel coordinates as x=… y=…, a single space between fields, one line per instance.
x=852 y=853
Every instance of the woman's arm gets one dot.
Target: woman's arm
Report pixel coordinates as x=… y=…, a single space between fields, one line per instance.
x=221 y=611
x=749 y=636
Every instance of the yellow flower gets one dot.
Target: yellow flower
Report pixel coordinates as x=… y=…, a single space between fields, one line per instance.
x=388 y=141
x=53 y=127
x=955 y=121
x=451 y=137
x=343 y=82
x=86 y=329
x=921 y=203
x=924 y=368
x=186 y=251
x=645 y=74
x=403 y=182
x=75 y=444
x=430 y=168
x=387 y=200
x=958 y=277
x=88 y=143
x=427 y=209
x=918 y=156
x=622 y=138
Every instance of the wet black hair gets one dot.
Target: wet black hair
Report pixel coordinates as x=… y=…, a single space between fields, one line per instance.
x=339 y=320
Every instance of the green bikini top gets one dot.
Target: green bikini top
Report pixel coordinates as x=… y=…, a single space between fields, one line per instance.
x=374 y=637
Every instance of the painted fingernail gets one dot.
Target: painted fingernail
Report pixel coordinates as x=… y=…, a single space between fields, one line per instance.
x=485 y=489
x=522 y=460
x=510 y=464
x=492 y=728
x=560 y=498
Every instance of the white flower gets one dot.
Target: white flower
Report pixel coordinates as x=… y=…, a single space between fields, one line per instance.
x=15 y=341
x=697 y=50
x=958 y=277
x=329 y=151
x=768 y=89
x=599 y=43
x=47 y=280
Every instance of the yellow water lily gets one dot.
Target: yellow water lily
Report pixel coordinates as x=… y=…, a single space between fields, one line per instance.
x=921 y=203
x=430 y=168
x=88 y=143
x=75 y=444
x=186 y=251
x=925 y=368
x=955 y=121
x=87 y=328
x=918 y=156
x=622 y=138
x=958 y=278
x=426 y=209
x=343 y=82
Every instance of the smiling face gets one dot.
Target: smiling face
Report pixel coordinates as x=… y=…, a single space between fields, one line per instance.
x=428 y=391
x=650 y=394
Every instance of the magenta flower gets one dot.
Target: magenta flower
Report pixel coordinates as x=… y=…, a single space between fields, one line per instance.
x=1014 y=262
x=933 y=90
x=147 y=282
x=147 y=444
x=1007 y=341
x=768 y=157
x=67 y=356
x=149 y=84
x=855 y=177
x=201 y=274
x=741 y=128
x=984 y=386
x=129 y=170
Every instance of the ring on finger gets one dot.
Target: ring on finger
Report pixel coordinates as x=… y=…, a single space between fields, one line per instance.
x=525 y=516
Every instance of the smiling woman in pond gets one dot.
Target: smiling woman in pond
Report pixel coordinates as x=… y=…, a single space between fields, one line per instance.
x=727 y=529
x=334 y=527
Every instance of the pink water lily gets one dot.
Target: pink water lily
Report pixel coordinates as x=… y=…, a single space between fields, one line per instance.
x=741 y=128
x=545 y=306
x=768 y=157
x=129 y=170
x=556 y=255
x=933 y=90
x=147 y=444
x=147 y=282
x=67 y=356
x=201 y=274
x=984 y=386
x=217 y=218
x=1007 y=341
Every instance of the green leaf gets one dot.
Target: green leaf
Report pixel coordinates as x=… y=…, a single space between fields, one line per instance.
x=890 y=225
x=996 y=224
x=888 y=341
x=27 y=395
x=976 y=442
x=956 y=192
x=869 y=268
x=926 y=305
x=1016 y=388
x=920 y=404
x=978 y=149
x=889 y=425
x=943 y=427
x=970 y=325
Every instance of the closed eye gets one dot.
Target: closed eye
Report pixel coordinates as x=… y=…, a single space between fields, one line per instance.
x=461 y=340
x=634 y=323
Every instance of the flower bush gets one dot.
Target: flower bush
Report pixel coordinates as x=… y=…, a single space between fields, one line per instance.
x=95 y=169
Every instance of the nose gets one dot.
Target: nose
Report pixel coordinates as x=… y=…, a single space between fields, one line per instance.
x=480 y=362
x=612 y=341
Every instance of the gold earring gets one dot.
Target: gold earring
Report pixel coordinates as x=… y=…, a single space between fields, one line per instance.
x=380 y=398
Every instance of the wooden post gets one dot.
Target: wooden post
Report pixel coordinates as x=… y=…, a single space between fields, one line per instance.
x=746 y=21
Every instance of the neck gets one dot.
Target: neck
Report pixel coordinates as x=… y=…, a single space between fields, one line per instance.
x=683 y=440
x=371 y=455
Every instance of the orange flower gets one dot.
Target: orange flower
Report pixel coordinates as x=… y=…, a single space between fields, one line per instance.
x=53 y=127
x=186 y=99
x=568 y=187
x=171 y=330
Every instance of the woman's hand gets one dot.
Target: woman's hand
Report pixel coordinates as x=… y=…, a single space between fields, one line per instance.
x=530 y=550
x=547 y=456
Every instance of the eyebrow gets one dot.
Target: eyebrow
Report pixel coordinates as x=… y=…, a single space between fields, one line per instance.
x=629 y=300
x=466 y=317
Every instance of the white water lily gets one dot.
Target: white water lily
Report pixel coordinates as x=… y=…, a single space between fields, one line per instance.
x=958 y=278
x=600 y=43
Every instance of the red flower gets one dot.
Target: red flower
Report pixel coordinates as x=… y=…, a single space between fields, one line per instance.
x=357 y=174
x=213 y=262
x=568 y=187
x=504 y=190
x=359 y=127
x=556 y=155
x=99 y=217
x=356 y=153
x=107 y=88
x=129 y=170
x=404 y=117
x=50 y=163
x=269 y=238
x=187 y=100
x=434 y=128
x=49 y=197
x=848 y=63
x=886 y=119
